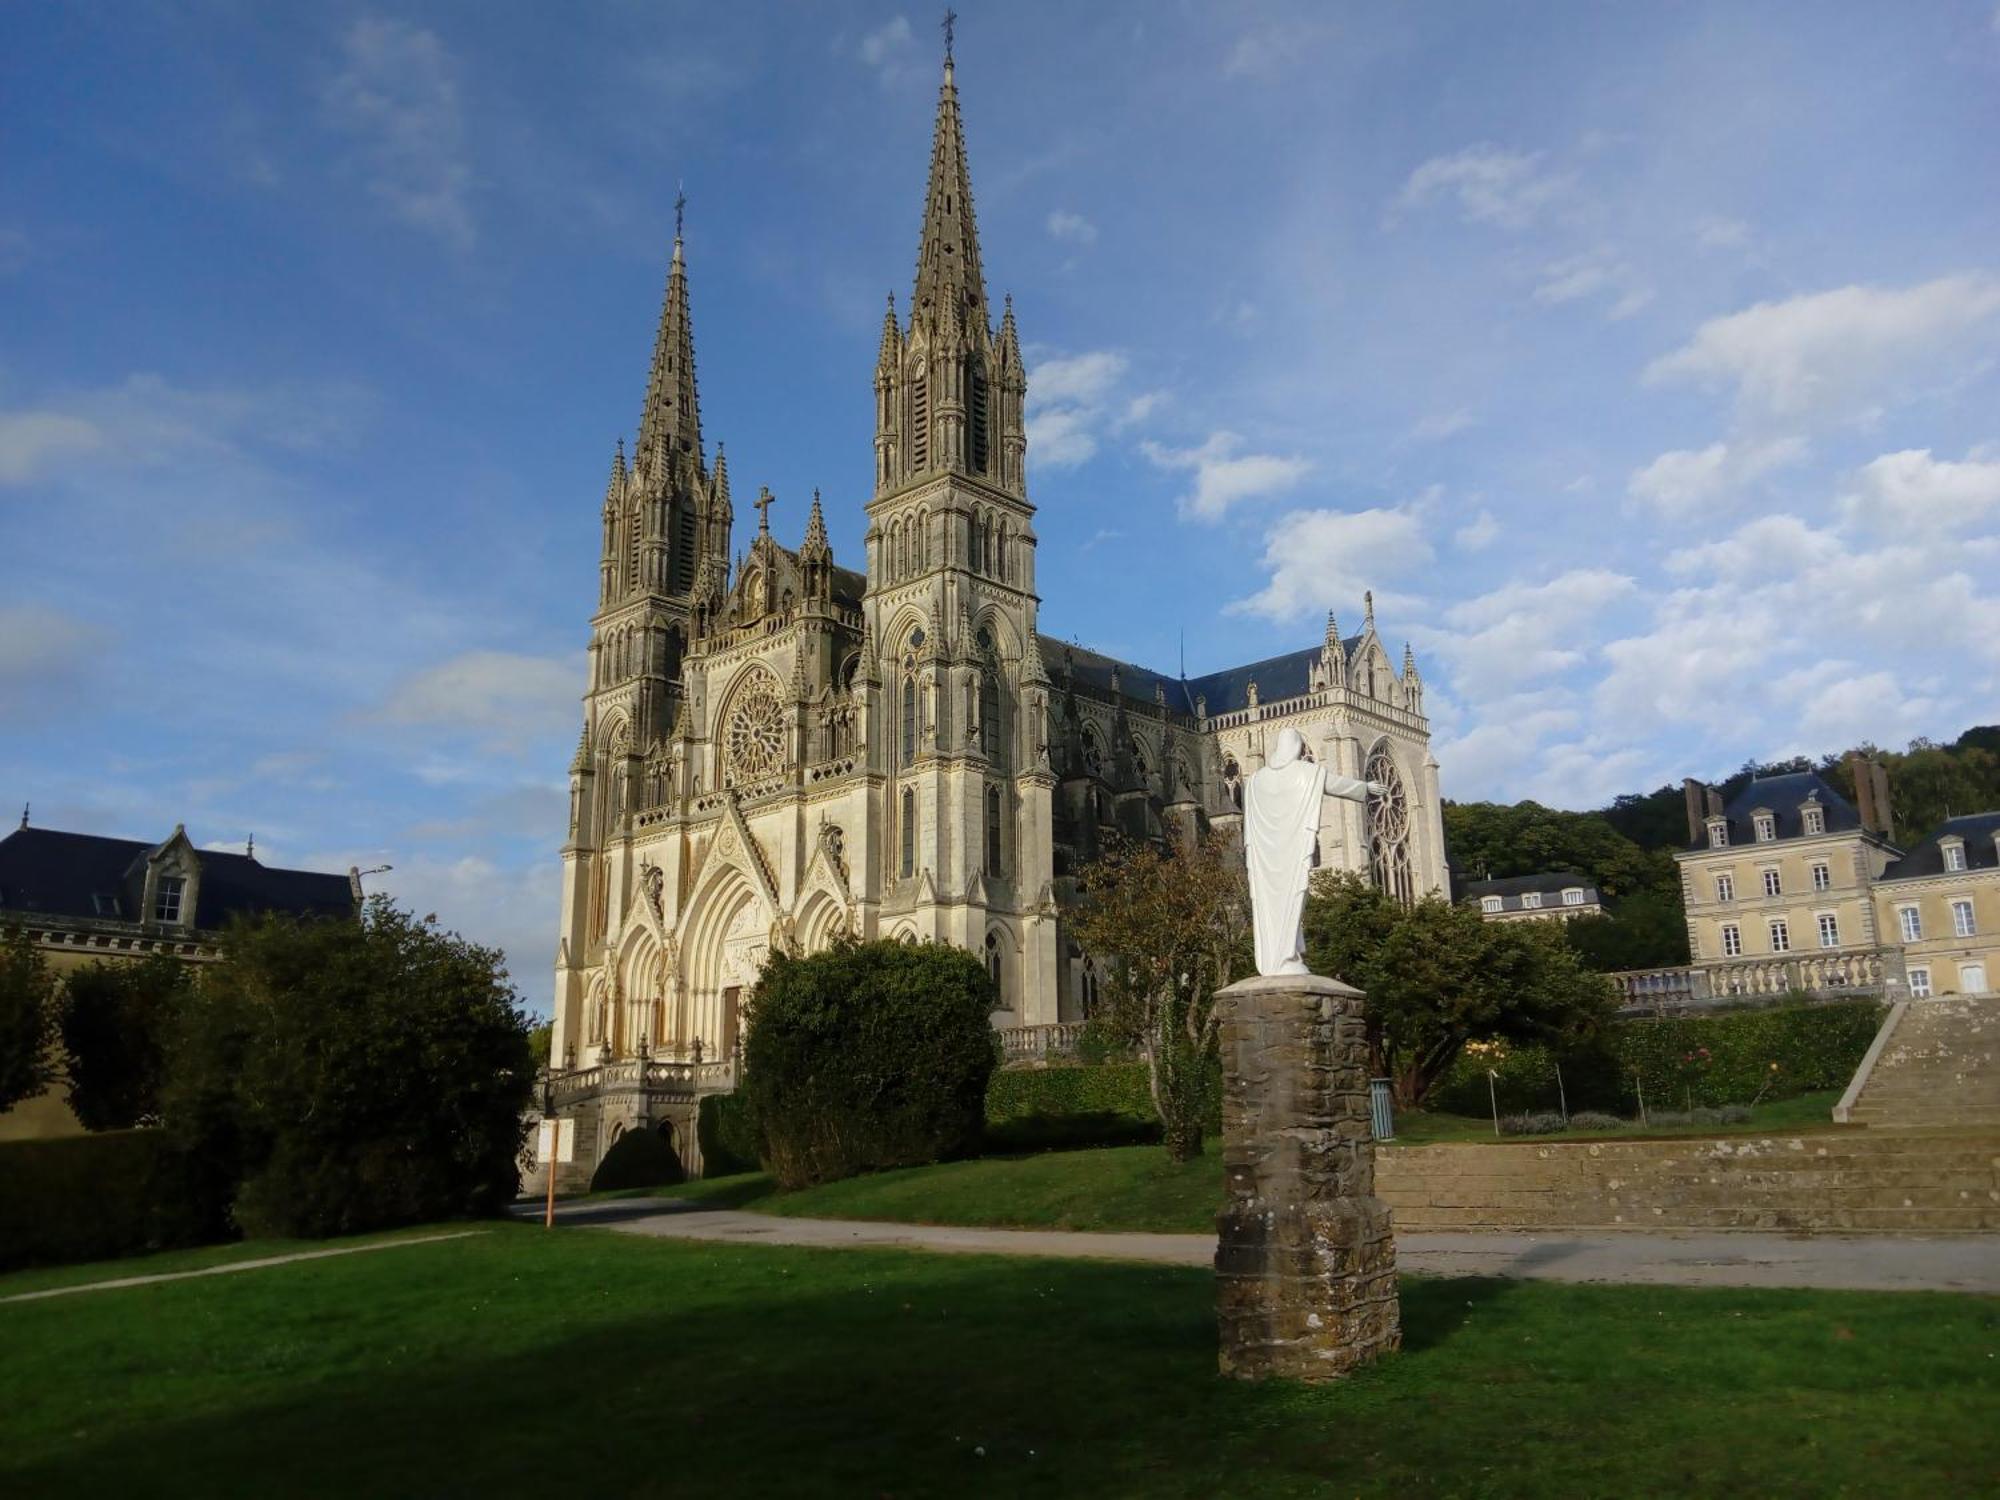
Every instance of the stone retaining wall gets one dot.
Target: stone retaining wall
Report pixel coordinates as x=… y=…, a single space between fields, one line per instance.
x=1911 y=1182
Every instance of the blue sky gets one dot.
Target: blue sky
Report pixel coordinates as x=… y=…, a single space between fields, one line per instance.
x=1640 y=359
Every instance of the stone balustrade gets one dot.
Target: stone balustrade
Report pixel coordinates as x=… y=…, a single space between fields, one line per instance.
x=1832 y=976
x=1036 y=1044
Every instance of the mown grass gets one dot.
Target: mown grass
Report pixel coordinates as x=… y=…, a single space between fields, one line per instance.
x=1117 y=1188
x=521 y=1362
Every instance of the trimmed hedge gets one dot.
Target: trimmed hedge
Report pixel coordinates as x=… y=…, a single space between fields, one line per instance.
x=727 y=1134
x=1704 y=1061
x=96 y=1197
x=1103 y=1088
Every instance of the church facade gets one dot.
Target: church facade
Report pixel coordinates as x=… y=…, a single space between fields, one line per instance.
x=782 y=749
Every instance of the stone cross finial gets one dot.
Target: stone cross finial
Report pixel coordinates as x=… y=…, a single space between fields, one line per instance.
x=762 y=505
x=950 y=26
x=680 y=209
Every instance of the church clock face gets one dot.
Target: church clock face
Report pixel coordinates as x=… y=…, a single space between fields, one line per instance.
x=756 y=734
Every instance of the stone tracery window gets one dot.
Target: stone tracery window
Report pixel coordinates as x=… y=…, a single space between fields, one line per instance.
x=755 y=737
x=1389 y=828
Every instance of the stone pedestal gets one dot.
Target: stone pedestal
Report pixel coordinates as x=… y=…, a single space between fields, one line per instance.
x=1305 y=1267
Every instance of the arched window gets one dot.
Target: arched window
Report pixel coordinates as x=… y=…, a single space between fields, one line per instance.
x=909 y=718
x=978 y=546
x=993 y=960
x=923 y=547
x=991 y=738
x=902 y=551
x=993 y=813
x=909 y=861
x=1389 y=828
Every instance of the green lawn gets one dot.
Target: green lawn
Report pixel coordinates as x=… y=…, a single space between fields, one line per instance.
x=526 y=1363
x=1125 y=1187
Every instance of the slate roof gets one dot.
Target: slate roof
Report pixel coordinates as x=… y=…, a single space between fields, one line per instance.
x=1781 y=796
x=83 y=875
x=1927 y=858
x=1227 y=691
x=1515 y=885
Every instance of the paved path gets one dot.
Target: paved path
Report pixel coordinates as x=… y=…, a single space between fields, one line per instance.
x=229 y=1268
x=1964 y=1263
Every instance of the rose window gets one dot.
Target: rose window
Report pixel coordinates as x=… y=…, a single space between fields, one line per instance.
x=1389 y=828
x=756 y=735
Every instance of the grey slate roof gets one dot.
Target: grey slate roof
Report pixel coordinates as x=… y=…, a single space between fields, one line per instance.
x=1227 y=691
x=1514 y=885
x=1927 y=858
x=1782 y=796
x=56 y=874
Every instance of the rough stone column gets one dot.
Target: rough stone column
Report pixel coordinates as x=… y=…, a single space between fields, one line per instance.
x=1305 y=1266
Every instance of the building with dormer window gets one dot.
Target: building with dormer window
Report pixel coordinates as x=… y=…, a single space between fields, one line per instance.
x=1941 y=901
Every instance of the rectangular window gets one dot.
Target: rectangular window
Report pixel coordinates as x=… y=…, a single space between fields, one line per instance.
x=1489 y=903
x=1920 y=982
x=1781 y=937
x=1572 y=897
x=1829 y=930
x=1718 y=834
x=1912 y=923
x=1732 y=940
x=1725 y=887
x=1530 y=900
x=1815 y=820
x=1767 y=828
x=1961 y=918
x=1822 y=877
x=1954 y=856
x=167 y=898
x=1772 y=885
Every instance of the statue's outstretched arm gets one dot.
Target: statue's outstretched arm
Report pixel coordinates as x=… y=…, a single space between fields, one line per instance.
x=1352 y=790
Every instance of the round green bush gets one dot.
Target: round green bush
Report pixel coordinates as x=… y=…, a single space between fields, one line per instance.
x=868 y=1055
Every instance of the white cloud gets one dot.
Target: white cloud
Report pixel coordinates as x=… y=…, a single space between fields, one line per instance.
x=1504 y=639
x=1073 y=228
x=1756 y=549
x=1061 y=437
x=1840 y=353
x=513 y=908
x=1071 y=398
x=1076 y=380
x=1319 y=559
x=1686 y=481
x=33 y=441
x=1442 y=424
x=1594 y=274
x=890 y=49
x=41 y=650
x=511 y=697
x=1479 y=533
x=1223 y=476
x=1721 y=234
x=398 y=99
x=1911 y=489
x=1491 y=184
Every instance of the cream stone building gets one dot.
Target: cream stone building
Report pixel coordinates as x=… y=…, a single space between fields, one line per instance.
x=777 y=749
x=1940 y=903
x=1557 y=897
x=1777 y=886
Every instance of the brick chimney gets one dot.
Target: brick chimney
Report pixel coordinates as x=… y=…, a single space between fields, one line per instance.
x=1871 y=794
x=1697 y=809
x=1878 y=775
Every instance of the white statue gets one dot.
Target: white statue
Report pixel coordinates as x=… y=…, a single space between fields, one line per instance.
x=1281 y=806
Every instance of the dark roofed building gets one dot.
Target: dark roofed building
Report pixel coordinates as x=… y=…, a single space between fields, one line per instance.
x=1562 y=894
x=91 y=896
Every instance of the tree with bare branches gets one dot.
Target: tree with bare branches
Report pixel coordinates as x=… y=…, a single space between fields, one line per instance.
x=1172 y=924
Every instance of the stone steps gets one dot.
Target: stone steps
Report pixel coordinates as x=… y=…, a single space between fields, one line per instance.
x=1939 y=1066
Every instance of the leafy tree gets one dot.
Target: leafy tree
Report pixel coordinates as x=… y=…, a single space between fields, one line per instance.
x=541 y=1037
x=27 y=1021
x=1645 y=931
x=1496 y=840
x=350 y=1075
x=1438 y=976
x=1173 y=924
x=868 y=1055
x=115 y=1018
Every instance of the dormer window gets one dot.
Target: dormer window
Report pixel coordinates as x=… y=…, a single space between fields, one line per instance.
x=1489 y=903
x=167 y=898
x=1531 y=900
x=1572 y=896
x=1814 y=817
x=1954 y=853
x=1718 y=833
x=1765 y=826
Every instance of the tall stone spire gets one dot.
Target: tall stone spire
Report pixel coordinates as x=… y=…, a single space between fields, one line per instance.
x=948 y=271
x=671 y=422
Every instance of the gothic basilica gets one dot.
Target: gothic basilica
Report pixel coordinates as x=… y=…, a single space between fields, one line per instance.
x=785 y=749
